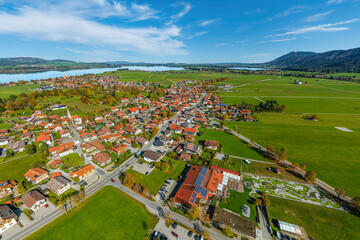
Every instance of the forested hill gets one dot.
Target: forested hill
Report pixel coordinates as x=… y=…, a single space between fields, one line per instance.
x=336 y=60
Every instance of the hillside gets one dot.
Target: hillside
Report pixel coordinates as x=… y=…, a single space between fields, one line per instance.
x=338 y=60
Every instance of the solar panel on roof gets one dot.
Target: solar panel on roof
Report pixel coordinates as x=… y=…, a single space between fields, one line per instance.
x=198 y=180
x=201 y=190
x=203 y=171
x=193 y=197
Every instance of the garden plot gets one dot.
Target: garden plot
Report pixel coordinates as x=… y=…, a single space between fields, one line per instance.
x=289 y=190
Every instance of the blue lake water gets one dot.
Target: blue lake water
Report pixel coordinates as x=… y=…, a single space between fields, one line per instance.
x=5 y=78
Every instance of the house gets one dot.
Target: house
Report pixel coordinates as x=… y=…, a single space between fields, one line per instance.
x=191 y=131
x=58 y=107
x=44 y=138
x=192 y=148
x=58 y=184
x=134 y=110
x=102 y=159
x=103 y=131
x=62 y=150
x=27 y=135
x=185 y=156
x=8 y=218
x=141 y=140
x=33 y=200
x=6 y=188
x=55 y=163
x=151 y=156
x=76 y=119
x=83 y=172
x=200 y=183
x=4 y=141
x=119 y=148
x=18 y=146
x=64 y=133
x=211 y=144
x=36 y=175
x=98 y=145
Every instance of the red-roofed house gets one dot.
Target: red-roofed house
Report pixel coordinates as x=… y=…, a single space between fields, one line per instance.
x=36 y=175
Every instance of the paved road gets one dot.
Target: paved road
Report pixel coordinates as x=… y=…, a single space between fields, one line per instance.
x=264 y=225
x=252 y=160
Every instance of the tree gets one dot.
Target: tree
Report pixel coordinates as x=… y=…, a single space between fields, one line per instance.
x=282 y=154
x=257 y=201
x=82 y=194
x=194 y=212
x=339 y=192
x=75 y=199
x=20 y=187
x=206 y=234
x=303 y=166
x=265 y=201
x=310 y=176
x=145 y=192
x=356 y=201
x=168 y=219
x=9 y=153
x=228 y=232
x=129 y=180
x=30 y=149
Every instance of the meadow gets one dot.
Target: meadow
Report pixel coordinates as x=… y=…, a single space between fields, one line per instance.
x=108 y=214
x=5 y=92
x=319 y=222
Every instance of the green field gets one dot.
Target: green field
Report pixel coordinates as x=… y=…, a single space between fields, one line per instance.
x=108 y=214
x=236 y=201
x=5 y=125
x=73 y=160
x=231 y=144
x=15 y=90
x=332 y=153
x=156 y=178
x=15 y=169
x=319 y=222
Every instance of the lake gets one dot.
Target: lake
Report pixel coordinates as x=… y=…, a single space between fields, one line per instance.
x=5 y=78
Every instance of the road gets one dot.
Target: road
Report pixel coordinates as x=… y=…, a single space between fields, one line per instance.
x=264 y=225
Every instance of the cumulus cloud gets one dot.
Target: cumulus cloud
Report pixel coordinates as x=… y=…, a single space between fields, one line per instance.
x=63 y=27
x=330 y=27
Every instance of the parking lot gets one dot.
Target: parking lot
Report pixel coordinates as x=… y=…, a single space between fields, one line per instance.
x=143 y=168
x=169 y=186
x=180 y=231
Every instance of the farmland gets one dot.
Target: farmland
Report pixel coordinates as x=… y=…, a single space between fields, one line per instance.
x=108 y=214
x=330 y=152
x=319 y=222
x=15 y=90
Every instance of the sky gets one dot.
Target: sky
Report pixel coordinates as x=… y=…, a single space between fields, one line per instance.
x=158 y=31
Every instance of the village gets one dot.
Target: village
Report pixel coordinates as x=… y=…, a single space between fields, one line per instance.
x=136 y=137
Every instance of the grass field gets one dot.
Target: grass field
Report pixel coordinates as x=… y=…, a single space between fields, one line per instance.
x=236 y=201
x=108 y=214
x=5 y=125
x=332 y=153
x=73 y=160
x=156 y=178
x=15 y=169
x=5 y=92
x=319 y=222
x=231 y=144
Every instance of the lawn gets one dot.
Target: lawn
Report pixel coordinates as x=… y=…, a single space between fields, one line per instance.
x=15 y=169
x=236 y=201
x=332 y=153
x=73 y=160
x=85 y=108
x=231 y=144
x=108 y=214
x=5 y=125
x=319 y=222
x=6 y=91
x=156 y=178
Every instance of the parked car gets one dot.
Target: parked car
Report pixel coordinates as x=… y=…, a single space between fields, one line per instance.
x=196 y=237
x=174 y=234
x=155 y=234
x=112 y=180
x=163 y=237
x=147 y=173
x=46 y=205
x=277 y=170
x=190 y=233
x=174 y=225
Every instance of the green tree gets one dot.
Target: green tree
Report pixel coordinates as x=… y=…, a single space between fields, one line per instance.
x=194 y=212
x=282 y=154
x=20 y=187
x=310 y=175
x=356 y=201
x=339 y=192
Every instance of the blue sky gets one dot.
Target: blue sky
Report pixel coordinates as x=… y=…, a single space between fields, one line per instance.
x=175 y=31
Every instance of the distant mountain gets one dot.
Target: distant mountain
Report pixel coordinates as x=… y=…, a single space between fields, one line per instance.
x=344 y=60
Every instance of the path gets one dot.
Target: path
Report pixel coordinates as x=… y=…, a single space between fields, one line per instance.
x=15 y=158
x=264 y=224
x=251 y=160
x=259 y=99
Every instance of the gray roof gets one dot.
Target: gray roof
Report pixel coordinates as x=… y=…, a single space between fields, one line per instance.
x=18 y=144
x=152 y=155
x=57 y=182
x=6 y=213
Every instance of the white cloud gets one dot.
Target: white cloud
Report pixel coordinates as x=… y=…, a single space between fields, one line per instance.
x=77 y=51
x=318 y=16
x=335 y=1
x=279 y=40
x=196 y=34
x=186 y=8
x=63 y=27
x=319 y=28
x=289 y=11
x=207 y=22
